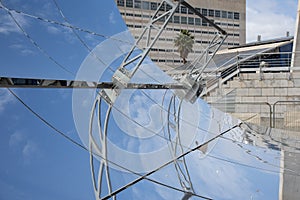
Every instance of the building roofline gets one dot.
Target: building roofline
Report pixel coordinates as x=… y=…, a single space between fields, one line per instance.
x=264 y=42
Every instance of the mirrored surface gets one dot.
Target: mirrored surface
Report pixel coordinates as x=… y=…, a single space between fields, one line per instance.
x=136 y=144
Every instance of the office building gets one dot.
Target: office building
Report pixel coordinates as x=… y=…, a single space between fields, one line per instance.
x=229 y=15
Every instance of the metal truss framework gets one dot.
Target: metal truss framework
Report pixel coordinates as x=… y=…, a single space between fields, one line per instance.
x=192 y=88
x=188 y=89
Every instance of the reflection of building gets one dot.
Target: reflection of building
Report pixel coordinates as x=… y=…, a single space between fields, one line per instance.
x=229 y=15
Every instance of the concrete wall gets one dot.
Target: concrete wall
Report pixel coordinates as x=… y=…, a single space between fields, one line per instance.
x=256 y=93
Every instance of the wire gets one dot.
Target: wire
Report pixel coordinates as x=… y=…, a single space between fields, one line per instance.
x=34 y=43
x=93 y=153
x=111 y=162
x=167 y=163
x=62 y=24
x=37 y=46
x=45 y=52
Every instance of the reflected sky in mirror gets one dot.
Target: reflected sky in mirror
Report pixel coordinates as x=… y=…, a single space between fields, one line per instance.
x=157 y=146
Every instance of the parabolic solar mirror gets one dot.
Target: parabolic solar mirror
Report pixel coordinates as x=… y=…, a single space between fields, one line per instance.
x=123 y=142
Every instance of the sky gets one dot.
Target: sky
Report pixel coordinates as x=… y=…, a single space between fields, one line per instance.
x=270 y=18
x=39 y=163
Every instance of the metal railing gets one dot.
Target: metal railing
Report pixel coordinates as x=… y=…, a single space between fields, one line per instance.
x=281 y=114
x=261 y=62
x=286 y=115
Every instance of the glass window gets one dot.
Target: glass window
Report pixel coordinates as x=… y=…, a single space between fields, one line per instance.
x=145 y=5
x=183 y=20
x=190 y=11
x=163 y=7
x=183 y=9
x=153 y=6
x=176 y=19
x=211 y=13
x=204 y=23
x=168 y=7
x=197 y=21
x=230 y=15
x=191 y=20
x=120 y=2
x=237 y=16
x=137 y=3
x=129 y=3
x=217 y=13
x=204 y=12
x=199 y=10
x=224 y=14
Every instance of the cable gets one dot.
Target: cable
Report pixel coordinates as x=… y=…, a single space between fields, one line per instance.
x=167 y=163
x=61 y=24
x=93 y=153
x=34 y=43
x=121 y=167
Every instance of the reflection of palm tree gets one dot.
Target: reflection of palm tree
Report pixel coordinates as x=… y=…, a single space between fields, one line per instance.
x=184 y=41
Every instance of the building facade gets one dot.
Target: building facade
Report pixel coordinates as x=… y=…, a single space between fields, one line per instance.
x=229 y=15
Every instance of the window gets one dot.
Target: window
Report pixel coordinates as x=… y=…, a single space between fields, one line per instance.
x=197 y=21
x=153 y=6
x=129 y=3
x=120 y=2
x=237 y=16
x=176 y=19
x=137 y=3
x=183 y=20
x=199 y=10
x=224 y=14
x=211 y=13
x=168 y=7
x=145 y=5
x=230 y=15
x=204 y=23
x=191 y=20
x=183 y=9
x=217 y=13
x=162 y=8
x=190 y=11
x=204 y=12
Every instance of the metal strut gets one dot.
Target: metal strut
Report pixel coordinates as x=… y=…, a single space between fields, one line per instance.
x=7 y=82
x=176 y=149
x=189 y=89
x=100 y=148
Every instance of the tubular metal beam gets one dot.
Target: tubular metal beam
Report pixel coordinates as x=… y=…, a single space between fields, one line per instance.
x=6 y=82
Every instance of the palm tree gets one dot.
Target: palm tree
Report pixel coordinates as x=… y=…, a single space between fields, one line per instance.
x=184 y=42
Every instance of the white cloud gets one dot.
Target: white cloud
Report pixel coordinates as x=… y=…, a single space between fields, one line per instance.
x=30 y=149
x=5 y=98
x=16 y=139
x=23 y=50
x=270 y=19
x=21 y=144
x=112 y=18
x=8 y=26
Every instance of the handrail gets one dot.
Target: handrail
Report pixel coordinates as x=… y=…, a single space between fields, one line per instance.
x=274 y=108
x=246 y=63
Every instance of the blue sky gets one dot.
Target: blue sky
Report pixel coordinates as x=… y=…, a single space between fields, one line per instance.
x=270 y=18
x=38 y=163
